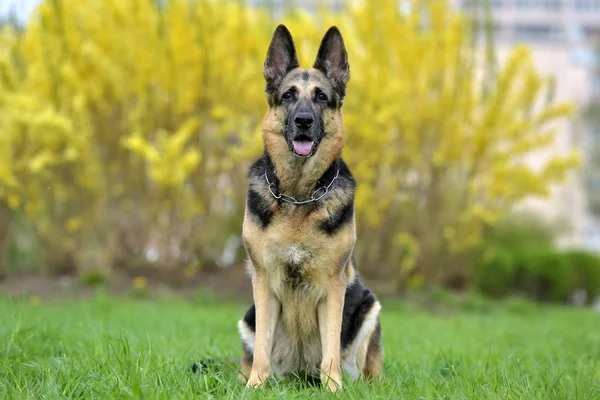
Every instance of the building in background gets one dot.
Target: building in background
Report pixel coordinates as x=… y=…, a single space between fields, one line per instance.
x=566 y=22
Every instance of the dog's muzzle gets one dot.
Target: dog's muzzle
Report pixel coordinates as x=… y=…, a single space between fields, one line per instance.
x=302 y=143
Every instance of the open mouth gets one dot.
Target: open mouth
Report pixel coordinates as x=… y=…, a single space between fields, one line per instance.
x=303 y=146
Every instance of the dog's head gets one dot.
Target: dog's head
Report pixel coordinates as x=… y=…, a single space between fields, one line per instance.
x=305 y=104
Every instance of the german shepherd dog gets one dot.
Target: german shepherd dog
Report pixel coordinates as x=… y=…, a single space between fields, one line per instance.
x=311 y=314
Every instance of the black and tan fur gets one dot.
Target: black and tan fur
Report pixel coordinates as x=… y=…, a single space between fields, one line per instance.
x=311 y=313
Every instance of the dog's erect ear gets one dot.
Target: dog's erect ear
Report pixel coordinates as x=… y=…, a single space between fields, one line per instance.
x=332 y=59
x=281 y=58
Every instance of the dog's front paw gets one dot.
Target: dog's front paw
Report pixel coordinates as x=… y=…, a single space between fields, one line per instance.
x=257 y=379
x=333 y=384
x=332 y=380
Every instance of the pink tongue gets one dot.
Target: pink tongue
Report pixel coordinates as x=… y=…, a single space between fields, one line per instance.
x=302 y=147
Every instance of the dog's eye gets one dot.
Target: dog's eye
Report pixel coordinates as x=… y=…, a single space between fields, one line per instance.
x=287 y=95
x=322 y=97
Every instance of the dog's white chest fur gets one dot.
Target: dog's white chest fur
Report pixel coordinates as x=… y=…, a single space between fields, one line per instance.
x=292 y=253
x=290 y=266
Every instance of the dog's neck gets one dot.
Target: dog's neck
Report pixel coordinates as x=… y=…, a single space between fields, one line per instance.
x=299 y=177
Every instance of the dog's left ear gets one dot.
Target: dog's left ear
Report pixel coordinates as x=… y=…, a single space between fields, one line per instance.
x=332 y=60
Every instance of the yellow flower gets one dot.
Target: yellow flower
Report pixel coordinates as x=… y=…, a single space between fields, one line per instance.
x=140 y=282
x=190 y=270
x=34 y=300
x=74 y=224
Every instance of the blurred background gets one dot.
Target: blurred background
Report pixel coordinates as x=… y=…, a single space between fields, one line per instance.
x=127 y=127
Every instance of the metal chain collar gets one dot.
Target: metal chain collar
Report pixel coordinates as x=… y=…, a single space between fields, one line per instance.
x=315 y=196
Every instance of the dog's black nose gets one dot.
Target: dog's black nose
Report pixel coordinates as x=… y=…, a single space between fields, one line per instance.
x=304 y=120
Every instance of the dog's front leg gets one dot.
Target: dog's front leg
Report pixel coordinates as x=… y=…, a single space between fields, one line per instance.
x=329 y=313
x=267 y=313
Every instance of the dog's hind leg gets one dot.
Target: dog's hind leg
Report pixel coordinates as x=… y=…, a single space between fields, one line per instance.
x=374 y=354
x=362 y=353
x=246 y=327
x=245 y=366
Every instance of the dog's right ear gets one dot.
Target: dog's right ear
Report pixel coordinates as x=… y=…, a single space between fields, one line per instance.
x=281 y=58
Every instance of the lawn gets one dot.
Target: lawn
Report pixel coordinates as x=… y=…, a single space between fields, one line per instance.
x=103 y=347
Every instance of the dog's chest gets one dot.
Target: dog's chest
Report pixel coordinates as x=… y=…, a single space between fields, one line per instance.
x=294 y=251
x=292 y=261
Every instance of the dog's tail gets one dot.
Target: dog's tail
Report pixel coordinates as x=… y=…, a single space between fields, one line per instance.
x=212 y=365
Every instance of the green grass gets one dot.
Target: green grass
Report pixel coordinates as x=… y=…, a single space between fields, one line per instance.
x=108 y=348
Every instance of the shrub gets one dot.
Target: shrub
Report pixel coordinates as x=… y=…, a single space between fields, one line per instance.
x=518 y=258
x=547 y=274
x=505 y=254
x=495 y=274
x=118 y=122
x=587 y=267
x=128 y=128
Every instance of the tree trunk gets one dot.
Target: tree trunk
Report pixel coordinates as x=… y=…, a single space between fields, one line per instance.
x=429 y=230
x=5 y=222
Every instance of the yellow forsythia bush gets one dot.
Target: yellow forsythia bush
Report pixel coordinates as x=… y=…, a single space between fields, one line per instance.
x=438 y=138
x=127 y=128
